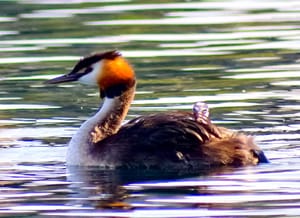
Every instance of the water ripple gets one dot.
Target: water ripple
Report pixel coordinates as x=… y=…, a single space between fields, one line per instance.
x=276 y=17
x=26 y=107
x=239 y=56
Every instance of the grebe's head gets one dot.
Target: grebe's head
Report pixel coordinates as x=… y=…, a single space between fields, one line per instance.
x=108 y=70
x=201 y=111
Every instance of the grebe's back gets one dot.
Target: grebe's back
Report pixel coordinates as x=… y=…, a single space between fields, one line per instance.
x=173 y=140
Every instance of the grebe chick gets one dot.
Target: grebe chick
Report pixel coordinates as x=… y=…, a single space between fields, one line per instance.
x=201 y=115
x=201 y=112
x=164 y=141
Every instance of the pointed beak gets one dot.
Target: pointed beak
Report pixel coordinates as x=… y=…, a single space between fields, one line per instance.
x=64 y=78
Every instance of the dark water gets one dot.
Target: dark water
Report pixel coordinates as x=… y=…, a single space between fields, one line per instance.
x=241 y=57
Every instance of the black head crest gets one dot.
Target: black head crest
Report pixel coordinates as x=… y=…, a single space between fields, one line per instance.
x=89 y=60
x=84 y=66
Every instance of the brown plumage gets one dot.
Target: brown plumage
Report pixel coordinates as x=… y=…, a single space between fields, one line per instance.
x=175 y=140
x=169 y=140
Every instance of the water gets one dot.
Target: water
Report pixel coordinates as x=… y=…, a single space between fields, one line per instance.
x=241 y=57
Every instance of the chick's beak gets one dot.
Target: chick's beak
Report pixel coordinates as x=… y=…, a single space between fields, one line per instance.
x=64 y=78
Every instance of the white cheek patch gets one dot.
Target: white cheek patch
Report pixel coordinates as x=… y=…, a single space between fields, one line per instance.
x=91 y=77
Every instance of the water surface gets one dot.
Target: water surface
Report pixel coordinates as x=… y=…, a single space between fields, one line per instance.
x=241 y=57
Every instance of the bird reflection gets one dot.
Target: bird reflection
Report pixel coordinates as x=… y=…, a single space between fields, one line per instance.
x=118 y=189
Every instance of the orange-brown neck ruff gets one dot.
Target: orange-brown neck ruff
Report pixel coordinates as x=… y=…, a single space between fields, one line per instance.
x=116 y=77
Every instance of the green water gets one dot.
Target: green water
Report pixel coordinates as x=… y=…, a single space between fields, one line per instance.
x=241 y=57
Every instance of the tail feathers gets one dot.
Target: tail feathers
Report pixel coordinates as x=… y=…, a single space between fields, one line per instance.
x=257 y=153
x=261 y=156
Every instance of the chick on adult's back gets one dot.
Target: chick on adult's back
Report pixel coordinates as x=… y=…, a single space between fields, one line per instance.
x=169 y=140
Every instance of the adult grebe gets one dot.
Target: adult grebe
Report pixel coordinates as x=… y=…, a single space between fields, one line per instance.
x=168 y=140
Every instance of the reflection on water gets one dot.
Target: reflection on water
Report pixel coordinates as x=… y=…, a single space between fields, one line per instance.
x=241 y=57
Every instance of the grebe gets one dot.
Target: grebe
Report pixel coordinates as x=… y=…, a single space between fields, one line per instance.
x=167 y=140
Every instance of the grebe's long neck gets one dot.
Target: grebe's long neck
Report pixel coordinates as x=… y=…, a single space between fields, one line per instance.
x=104 y=123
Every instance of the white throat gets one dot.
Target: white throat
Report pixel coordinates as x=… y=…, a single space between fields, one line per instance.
x=78 y=148
x=91 y=77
